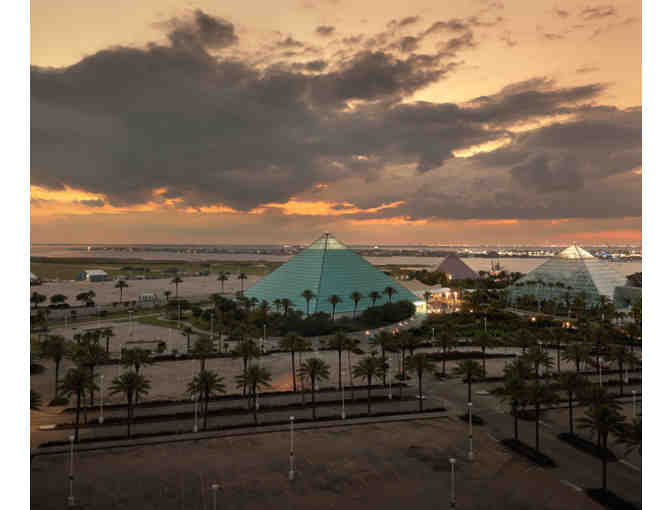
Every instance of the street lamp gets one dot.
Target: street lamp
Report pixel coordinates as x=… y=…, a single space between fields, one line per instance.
x=100 y=418
x=471 y=440
x=71 y=498
x=291 y=447
x=452 y=483
x=215 y=488
x=195 y=413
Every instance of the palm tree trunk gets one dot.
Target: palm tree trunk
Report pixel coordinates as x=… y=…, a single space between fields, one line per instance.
x=312 y=384
x=58 y=364
x=205 y=412
x=515 y=422
x=128 y=421
x=352 y=388
x=571 y=415
x=293 y=372
x=382 y=354
x=620 y=375
x=77 y=417
x=444 y=362
x=558 y=352
x=536 y=425
x=420 y=387
x=484 y=374
x=469 y=389
x=254 y=403
x=368 y=396
x=245 y=372
x=91 y=392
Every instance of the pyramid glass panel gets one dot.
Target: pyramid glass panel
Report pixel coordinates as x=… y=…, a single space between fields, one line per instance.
x=327 y=267
x=571 y=272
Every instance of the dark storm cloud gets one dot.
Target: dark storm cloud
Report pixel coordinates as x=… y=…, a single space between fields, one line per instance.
x=92 y=203
x=202 y=30
x=324 y=30
x=126 y=122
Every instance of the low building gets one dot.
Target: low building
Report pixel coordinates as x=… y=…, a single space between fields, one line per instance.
x=147 y=298
x=93 y=275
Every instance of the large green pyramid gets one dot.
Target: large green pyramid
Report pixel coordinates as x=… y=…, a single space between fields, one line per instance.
x=327 y=268
x=573 y=271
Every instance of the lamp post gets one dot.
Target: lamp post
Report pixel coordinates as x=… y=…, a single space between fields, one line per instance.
x=291 y=447
x=71 y=498
x=599 y=364
x=101 y=419
x=215 y=488
x=452 y=483
x=389 y=380
x=471 y=440
x=195 y=413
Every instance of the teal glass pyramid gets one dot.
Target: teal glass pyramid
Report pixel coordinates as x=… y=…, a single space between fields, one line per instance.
x=577 y=272
x=327 y=267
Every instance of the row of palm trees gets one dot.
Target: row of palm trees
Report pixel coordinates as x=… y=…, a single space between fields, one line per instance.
x=335 y=299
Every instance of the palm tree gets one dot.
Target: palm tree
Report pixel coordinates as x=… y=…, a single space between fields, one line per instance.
x=339 y=342
x=254 y=377
x=206 y=384
x=390 y=291
x=538 y=358
x=176 y=281
x=132 y=385
x=76 y=382
x=386 y=341
x=352 y=347
x=524 y=339
x=121 y=285
x=469 y=370
x=307 y=295
x=222 y=278
x=356 y=297
x=374 y=295
x=317 y=370
x=421 y=364
x=55 y=348
x=242 y=277
x=334 y=300
x=368 y=368
x=573 y=384
x=286 y=305
x=107 y=333
x=203 y=348
x=246 y=349
x=136 y=357
x=539 y=393
x=278 y=304
x=88 y=354
x=167 y=294
x=576 y=353
x=602 y=419
x=292 y=343
x=484 y=341
x=621 y=355
x=514 y=389
x=446 y=341
x=36 y=298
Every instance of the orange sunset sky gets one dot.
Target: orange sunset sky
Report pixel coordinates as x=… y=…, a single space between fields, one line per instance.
x=382 y=122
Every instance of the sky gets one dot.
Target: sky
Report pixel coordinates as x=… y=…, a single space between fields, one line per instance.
x=463 y=122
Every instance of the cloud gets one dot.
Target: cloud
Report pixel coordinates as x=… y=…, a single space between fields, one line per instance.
x=598 y=12
x=587 y=69
x=561 y=13
x=181 y=127
x=290 y=42
x=202 y=31
x=325 y=30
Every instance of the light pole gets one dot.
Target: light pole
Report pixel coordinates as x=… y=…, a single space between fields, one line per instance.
x=100 y=418
x=452 y=483
x=291 y=447
x=634 y=405
x=471 y=440
x=215 y=488
x=389 y=379
x=195 y=413
x=599 y=364
x=71 y=498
